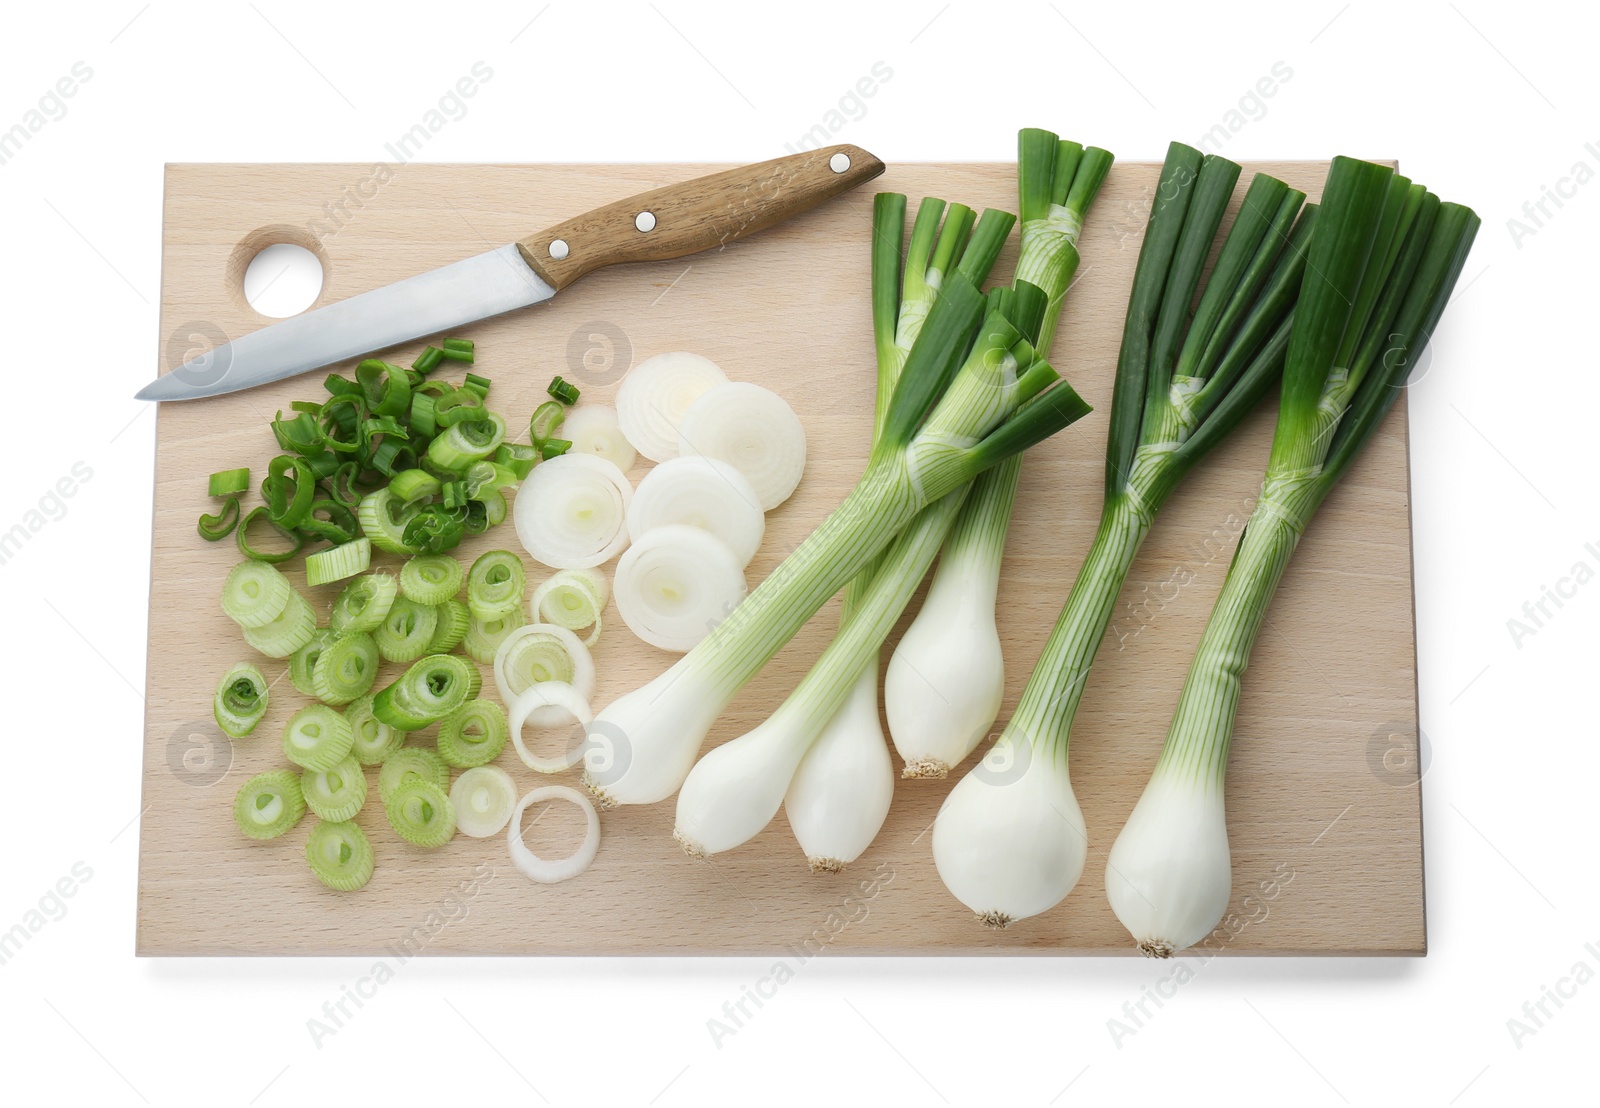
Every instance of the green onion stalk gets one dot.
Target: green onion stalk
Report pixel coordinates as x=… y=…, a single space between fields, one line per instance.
x=1009 y=841
x=1382 y=266
x=941 y=700
x=953 y=413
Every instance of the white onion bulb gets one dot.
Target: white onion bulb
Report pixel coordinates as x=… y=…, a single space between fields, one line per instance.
x=1170 y=874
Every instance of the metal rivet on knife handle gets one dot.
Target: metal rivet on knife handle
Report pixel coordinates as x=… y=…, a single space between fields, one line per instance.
x=696 y=215
x=558 y=249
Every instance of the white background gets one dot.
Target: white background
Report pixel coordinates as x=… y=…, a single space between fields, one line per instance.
x=1487 y=104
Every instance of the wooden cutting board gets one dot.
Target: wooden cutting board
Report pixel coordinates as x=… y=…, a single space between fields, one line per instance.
x=1323 y=808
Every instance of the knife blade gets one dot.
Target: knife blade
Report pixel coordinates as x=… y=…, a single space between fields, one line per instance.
x=669 y=222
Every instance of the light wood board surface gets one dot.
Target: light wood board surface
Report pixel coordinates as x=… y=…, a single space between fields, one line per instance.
x=1323 y=807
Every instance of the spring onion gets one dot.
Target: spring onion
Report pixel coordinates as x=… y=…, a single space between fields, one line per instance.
x=470 y=440
x=544 y=871
x=1381 y=268
x=340 y=855
x=317 y=737
x=409 y=764
x=383 y=516
x=304 y=660
x=431 y=579
x=427 y=692
x=406 y=630
x=950 y=418
x=675 y=584
x=372 y=740
x=428 y=360
x=564 y=391
x=484 y=636
x=363 y=603
x=474 y=734
x=269 y=804
x=653 y=397
x=752 y=429
x=545 y=705
x=452 y=626
x=335 y=794
x=345 y=560
x=484 y=798
x=229 y=482
x=240 y=701
x=553 y=448
x=946 y=678
x=293 y=628
x=1009 y=841
x=571 y=512
x=214 y=528
x=241 y=535
x=593 y=429
x=495 y=585
x=701 y=492
x=458 y=350
x=573 y=599
x=539 y=652
x=345 y=668
x=421 y=813
x=255 y=594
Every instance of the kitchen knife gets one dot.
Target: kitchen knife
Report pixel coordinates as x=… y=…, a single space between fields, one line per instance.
x=669 y=222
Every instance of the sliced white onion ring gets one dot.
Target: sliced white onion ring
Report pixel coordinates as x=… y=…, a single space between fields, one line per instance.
x=572 y=511
x=752 y=429
x=675 y=584
x=483 y=797
x=563 y=698
x=574 y=599
x=526 y=651
x=539 y=869
x=701 y=492
x=593 y=429
x=656 y=393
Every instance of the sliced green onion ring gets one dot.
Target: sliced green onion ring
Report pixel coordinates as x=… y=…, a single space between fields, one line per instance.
x=345 y=668
x=269 y=804
x=484 y=637
x=255 y=594
x=474 y=734
x=372 y=740
x=495 y=585
x=340 y=855
x=427 y=692
x=468 y=440
x=343 y=561
x=406 y=630
x=454 y=621
x=363 y=603
x=564 y=699
x=408 y=764
x=574 y=599
x=335 y=794
x=304 y=660
x=539 y=869
x=317 y=737
x=286 y=634
x=421 y=813
x=383 y=517
x=241 y=535
x=431 y=578
x=241 y=700
x=540 y=652
x=484 y=798
x=337 y=522
x=414 y=484
x=229 y=482
x=215 y=527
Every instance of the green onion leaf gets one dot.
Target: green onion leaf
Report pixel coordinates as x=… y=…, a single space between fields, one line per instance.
x=431 y=689
x=484 y=636
x=286 y=634
x=304 y=660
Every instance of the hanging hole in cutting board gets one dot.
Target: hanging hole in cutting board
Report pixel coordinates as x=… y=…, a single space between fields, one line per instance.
x=283 y=279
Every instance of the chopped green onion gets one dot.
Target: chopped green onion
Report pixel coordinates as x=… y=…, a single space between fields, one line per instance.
x=241 y=700
x=431 y=578
x=484 y=636
x=317 y=737
x=383 y=517
x=573 y=599
x=289 y=632
x=219 y=526
x=414 y=484
x=342 y=561
x=422 y=419
x=385 y=387
x=467 y=441
x=298 y=435
x=457 y=405
x=454 y=619
x=454 y=494
x=458 y=350
x=564 y=391
x=431 y=689
x=406 y=630
x=335 y=794
x=288 y=497
x=474 y=734
x=269 y=804
x=242 y=536
x=495 y=585
x=342 y=485
x=428 y=360
x=517 y=457
x=340 y=855
x=304 y=661
x=479 y=385
x=230 y=482
x=408 y=765
x=255 y=594
x=372 y=740
x=339 y=385
x=421 y=813
x=554 y=448
x=345 y=668
x=363 y=603
x=435 y=528
x=338 y=527
x=547 y=420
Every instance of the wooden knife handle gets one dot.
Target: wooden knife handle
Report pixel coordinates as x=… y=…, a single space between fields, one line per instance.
x=695 y=215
